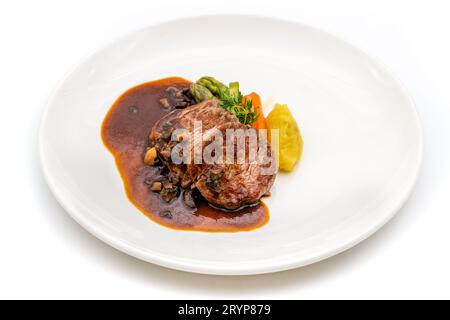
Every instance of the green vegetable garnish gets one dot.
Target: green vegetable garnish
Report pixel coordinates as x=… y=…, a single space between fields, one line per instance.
x=215 y=86
x=200 y=93
x=230 y=98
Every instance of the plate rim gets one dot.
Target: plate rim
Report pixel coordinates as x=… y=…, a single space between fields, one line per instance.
x=173 y=262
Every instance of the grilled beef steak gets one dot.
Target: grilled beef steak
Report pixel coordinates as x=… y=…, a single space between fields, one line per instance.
x=222 y=184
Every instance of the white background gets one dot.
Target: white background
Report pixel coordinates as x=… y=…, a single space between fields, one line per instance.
x=45 y=254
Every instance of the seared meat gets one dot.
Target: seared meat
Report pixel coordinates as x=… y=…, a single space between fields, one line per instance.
x=226 y=185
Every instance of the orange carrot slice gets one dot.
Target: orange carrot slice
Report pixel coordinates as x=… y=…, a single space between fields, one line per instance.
x=256 y=102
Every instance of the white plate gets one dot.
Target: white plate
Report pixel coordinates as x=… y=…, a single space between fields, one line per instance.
x=362 y=152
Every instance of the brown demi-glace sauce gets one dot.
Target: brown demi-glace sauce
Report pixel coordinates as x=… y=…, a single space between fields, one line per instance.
x=125 y=133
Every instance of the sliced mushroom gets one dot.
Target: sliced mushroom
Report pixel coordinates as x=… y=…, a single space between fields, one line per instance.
x=167 y=130
x=172 y=91
x=188 y=198
x=150 y=156
x=165 y=103
x=156 y=186
x=169 y=191
x=166 y=214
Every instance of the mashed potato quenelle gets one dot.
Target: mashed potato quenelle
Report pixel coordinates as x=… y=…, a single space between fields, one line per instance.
x=290 y=138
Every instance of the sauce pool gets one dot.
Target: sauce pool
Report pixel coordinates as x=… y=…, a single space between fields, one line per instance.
x=125 y=132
